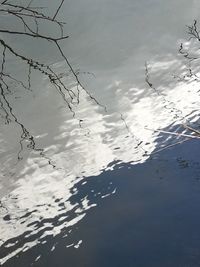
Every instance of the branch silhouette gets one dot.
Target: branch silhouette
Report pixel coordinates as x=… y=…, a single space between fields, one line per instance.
x=30 y=19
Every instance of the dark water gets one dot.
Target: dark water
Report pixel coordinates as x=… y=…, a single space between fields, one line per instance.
x=142 y=215
x=106 y=191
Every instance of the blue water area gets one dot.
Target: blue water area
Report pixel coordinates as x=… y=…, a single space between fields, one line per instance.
x=152 y=219
x=85 y=179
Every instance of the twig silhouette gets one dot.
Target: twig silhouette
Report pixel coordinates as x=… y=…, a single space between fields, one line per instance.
x=71 y=97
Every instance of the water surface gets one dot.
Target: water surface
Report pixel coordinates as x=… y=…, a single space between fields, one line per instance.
x=100 y=195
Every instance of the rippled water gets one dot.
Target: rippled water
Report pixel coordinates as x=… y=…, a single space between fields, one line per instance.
x=106 y=192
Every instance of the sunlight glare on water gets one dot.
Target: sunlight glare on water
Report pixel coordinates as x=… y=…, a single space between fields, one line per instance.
x=127 y=55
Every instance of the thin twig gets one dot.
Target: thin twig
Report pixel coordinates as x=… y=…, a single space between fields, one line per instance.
x=171 y=145
x=173 y=133
x=191 y=129
x=58 y=9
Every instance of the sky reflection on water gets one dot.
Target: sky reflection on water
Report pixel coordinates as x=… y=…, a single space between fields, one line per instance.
x=97 y=177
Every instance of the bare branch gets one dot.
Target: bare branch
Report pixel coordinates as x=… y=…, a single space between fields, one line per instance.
x=58 y=9
x=35 y=35
x=30 y=19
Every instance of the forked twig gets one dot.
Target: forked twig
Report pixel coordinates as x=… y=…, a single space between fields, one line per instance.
x=25 y=14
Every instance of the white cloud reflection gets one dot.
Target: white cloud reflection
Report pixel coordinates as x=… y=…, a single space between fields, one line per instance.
x=35 y=195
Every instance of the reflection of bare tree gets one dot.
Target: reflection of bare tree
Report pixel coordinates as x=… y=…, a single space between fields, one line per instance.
x=193 y=31
x=169 y=105
x=190 y=55
x=30 y=19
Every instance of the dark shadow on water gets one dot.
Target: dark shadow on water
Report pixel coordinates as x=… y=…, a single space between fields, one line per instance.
x=145 y=215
